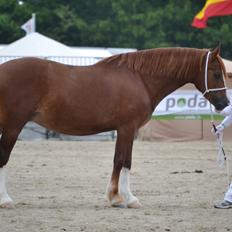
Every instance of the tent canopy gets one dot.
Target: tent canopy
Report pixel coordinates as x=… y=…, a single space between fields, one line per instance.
x=36 y=44
x=89 y=52
x=228 y=65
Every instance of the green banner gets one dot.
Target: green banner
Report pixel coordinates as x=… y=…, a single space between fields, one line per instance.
x=187 y=117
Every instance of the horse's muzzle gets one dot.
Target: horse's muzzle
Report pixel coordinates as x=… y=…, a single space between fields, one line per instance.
x=220 y=104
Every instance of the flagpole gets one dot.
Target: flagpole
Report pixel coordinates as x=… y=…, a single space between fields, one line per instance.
x=34 y=21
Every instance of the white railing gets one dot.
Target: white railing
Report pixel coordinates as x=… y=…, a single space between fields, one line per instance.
x=70 y=60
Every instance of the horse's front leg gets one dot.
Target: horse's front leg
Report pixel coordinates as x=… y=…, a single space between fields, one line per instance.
x=118 y=191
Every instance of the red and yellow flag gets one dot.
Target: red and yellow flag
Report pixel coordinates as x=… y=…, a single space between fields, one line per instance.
x=212 y=8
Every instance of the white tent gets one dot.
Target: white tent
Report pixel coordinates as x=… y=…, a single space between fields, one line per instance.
x=115 y=51
x=228 y=65
x=38 y=45
x=89 y=51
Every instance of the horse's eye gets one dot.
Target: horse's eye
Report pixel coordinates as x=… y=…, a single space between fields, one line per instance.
x=217 y=76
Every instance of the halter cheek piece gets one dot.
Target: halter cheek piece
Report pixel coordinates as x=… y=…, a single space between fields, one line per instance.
x=207 y=90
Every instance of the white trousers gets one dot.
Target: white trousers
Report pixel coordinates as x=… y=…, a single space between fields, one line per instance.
x=228 y=194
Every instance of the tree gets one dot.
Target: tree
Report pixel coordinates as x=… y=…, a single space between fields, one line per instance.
x=117 y=23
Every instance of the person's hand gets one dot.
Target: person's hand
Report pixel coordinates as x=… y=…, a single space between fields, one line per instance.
x=219 y=129
x=226 y=111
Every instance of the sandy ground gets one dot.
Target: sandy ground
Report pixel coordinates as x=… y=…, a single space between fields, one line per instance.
x=60 y=186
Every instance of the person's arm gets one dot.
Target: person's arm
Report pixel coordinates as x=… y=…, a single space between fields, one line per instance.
x=227 y=121
x=226 y=111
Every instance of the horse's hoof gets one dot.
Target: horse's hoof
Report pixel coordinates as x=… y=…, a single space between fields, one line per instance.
x=134 y=205
x=7 y=205
x=118 y=202
x=118 y=205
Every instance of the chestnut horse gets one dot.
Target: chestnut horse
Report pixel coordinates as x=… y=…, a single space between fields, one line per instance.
x=118 y=93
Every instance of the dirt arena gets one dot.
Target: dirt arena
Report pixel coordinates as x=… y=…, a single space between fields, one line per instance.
x=60 y=186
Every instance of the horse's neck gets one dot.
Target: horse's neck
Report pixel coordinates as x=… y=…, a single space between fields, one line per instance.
x=169 y=72
x=162 y=86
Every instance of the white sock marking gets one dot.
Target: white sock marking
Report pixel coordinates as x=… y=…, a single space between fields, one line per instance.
x=124 y=186
x=4 y=197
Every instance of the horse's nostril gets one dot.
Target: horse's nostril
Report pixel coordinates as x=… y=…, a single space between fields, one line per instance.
x=220 y=106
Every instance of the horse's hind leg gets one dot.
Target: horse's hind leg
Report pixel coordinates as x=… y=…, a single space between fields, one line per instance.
x=7 y=143
x=118 y=191
x=5 y=200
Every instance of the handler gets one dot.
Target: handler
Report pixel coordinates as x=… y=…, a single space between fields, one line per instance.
x=227 y=121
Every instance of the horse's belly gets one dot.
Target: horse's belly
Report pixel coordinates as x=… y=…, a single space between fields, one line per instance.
x=72 y=125
x=81 y=114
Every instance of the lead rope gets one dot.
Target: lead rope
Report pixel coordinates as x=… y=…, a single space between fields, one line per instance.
x=221 y=155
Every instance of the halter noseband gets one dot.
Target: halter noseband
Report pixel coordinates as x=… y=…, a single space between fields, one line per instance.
x=207 y=90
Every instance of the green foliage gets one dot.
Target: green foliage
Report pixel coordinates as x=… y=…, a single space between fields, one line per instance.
x=117 y=23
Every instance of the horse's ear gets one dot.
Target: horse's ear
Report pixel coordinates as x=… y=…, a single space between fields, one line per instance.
x=216 y=51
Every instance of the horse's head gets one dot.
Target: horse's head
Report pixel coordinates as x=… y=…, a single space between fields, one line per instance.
x=211 y=82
